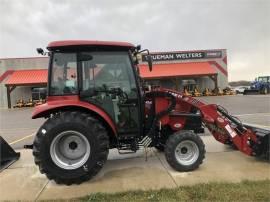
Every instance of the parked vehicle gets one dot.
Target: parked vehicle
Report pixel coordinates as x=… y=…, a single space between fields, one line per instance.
x=261 y=85
x=39 y=93
x=240 y=89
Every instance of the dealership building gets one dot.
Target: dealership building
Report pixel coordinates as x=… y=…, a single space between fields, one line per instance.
x=204 y=68
x=18 y=76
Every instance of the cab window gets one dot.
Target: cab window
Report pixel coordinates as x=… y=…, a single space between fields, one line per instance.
x=64 y=74
x=108 y=70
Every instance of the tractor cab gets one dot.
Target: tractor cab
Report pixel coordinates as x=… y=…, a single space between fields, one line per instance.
x=103 y=74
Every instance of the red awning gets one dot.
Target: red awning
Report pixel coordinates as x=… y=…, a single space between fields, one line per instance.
x=28 y=77
x=177 y=70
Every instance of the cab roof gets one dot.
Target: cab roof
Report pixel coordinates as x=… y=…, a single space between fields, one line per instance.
x=87 y=43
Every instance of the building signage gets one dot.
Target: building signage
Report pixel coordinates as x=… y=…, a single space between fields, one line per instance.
x=167 y=56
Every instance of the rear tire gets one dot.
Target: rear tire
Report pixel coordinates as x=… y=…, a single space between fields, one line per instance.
x=184 y=151
x=71 y=147
x=265 y=91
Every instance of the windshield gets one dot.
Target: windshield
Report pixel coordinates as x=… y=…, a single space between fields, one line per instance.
x=108 y=70
x=264 y=79
x=100 y=70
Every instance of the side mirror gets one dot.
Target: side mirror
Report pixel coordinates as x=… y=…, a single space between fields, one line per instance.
x=150 y=62
x=148 y=57
x=138 y=47
x=40 y=51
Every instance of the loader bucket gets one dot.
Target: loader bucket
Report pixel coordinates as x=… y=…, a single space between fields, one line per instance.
x=7 y=154
x=263 y=149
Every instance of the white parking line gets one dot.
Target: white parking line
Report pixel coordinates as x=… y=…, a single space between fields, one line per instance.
x=258 y=125
x=24 y=138
x=9 y=129
x=261 y=114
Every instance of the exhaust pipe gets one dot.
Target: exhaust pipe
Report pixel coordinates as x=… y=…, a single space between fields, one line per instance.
x=7 y=155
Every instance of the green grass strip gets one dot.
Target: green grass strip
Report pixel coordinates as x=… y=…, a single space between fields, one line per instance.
x=243 y=191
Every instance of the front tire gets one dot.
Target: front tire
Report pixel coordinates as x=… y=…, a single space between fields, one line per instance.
x=71 y=147
x=184 y=151
x=264 y=90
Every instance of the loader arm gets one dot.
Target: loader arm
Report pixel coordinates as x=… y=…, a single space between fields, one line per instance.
x=226 y=128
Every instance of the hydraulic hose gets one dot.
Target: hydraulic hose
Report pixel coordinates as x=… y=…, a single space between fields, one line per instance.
x=233 y=119
x=160 y=114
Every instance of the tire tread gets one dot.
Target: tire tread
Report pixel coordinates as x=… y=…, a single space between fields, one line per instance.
x=174 y=140
x=74 y=116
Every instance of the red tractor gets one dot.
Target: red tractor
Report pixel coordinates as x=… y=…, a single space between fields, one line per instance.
x=96 y=101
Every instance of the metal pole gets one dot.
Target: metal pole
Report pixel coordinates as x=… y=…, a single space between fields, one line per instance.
x=8 y=97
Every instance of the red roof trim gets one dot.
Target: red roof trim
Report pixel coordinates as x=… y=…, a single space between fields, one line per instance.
x=5 y=75
x=225 y=60
x=28 y=77
x=177 y=70
x=218 y=66
x=89 y=43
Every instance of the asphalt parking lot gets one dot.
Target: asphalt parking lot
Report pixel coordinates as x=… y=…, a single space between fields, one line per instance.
x=17 y=127
x=133 y=172
x=253 y=109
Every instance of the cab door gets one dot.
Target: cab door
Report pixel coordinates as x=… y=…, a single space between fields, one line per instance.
x=108 y=81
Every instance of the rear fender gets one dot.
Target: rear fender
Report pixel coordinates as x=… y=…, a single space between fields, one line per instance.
x=54 y=106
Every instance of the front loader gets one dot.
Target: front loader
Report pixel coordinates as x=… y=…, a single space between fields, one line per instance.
x=96 y=101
